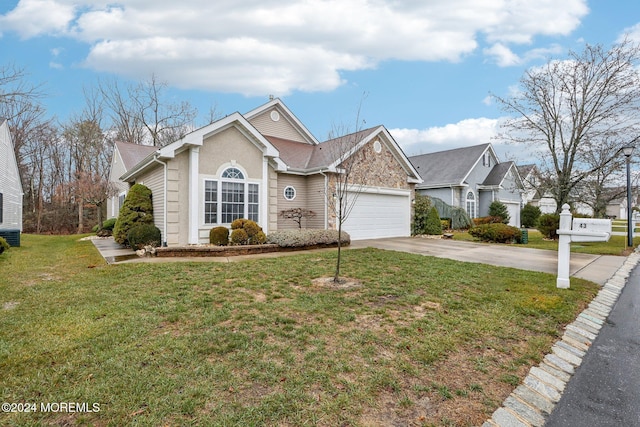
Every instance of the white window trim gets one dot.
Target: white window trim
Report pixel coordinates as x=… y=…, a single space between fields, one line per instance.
x=475 y=204
x=284 y=193
x=246 y=182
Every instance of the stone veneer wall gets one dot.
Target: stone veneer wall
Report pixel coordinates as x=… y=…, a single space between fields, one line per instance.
x=372 y=170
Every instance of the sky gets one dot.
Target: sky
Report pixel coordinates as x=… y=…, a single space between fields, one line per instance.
x=425 y=69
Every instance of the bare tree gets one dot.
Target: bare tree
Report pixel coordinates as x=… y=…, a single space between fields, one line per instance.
x=141 y=114
x=566 y=110
x=347 y=181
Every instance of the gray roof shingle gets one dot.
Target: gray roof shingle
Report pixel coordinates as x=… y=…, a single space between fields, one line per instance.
x=449 y=167
x=132 y=154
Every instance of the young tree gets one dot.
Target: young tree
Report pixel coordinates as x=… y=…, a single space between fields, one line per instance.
x=343 y=188
x=566 y=109
x=499 y=209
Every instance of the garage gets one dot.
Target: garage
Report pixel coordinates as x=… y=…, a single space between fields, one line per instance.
x=383 y=213
x=514 y=212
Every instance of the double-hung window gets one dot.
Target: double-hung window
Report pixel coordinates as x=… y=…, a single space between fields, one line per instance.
x=230 y=198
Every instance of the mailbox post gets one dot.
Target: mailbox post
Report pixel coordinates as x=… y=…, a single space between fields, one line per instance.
x=583 y=230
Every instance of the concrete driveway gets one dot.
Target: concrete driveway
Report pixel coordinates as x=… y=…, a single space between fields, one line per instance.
x=596 y=268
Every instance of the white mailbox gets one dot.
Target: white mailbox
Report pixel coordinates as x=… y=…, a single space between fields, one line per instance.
x=590 y=230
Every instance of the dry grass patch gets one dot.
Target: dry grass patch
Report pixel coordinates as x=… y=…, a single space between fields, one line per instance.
x=412 y=340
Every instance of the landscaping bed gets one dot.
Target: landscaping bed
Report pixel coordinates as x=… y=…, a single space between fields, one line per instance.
x=225 y=251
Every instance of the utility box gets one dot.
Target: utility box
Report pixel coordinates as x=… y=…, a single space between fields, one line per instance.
x=591 y=230
x=11 y=236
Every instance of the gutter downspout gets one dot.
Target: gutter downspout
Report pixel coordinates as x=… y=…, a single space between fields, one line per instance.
x=164 y=202
x=326 y=196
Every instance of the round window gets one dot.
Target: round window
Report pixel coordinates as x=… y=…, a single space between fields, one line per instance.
x=275 y=116
x=377 y=147
x=289 y=193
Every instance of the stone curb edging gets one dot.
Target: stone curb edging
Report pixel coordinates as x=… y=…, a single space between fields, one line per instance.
x=532 y=401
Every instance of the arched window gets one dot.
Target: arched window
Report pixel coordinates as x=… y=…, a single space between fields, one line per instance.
x=471 y=204
x=236 y=198
x=233 y=173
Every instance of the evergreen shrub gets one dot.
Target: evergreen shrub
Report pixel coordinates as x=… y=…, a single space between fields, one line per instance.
x=143 y=235
x=499 y=209
x=219 y=236
x=497 y=233
x=433 y=225
x=137 y=209
x=548 y=225
x=529 y=215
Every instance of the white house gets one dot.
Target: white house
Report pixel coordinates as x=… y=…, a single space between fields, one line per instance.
x=10 y=189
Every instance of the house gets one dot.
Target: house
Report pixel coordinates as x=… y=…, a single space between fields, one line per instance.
x=471 y=178
x=532 y=195
x=10 y=189
x=259 y=164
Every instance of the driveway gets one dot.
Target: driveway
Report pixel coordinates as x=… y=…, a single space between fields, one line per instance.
x=596 y=268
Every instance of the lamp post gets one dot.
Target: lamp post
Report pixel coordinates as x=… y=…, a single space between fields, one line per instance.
x=628 y=150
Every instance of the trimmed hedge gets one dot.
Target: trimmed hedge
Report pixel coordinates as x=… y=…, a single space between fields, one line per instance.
x=497 y=233
x=433 y=225
x=144 y=235
x=306 y=237
x=219 y=236
x=487 y=220
x=247 y=232
x=4 y=245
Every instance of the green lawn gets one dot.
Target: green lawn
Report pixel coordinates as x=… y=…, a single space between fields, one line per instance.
x=417 y=340
x=617 y=245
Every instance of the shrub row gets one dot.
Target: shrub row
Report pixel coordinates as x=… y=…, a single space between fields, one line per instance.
x=488 y=220
x=243 y=232
x=306 y=237
x=497 y=232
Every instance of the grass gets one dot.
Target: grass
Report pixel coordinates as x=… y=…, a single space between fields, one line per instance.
x=416 y=340
x=617 y=245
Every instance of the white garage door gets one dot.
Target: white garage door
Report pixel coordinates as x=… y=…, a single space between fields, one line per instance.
x=378 y=215
x=514 y=213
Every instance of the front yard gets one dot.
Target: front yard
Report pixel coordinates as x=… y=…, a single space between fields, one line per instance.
x=417 y=341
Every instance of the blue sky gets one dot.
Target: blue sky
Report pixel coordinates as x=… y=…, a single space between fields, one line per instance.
x=426 y=67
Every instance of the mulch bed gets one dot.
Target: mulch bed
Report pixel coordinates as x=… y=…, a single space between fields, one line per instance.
x=226 y=251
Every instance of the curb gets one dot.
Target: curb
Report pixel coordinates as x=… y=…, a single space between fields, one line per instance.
x=532 y=401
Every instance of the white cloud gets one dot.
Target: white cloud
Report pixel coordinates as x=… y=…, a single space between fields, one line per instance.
x=632 y=32
x=31 y=18
x=259 y=47
x=465 y=133
x=502 y=55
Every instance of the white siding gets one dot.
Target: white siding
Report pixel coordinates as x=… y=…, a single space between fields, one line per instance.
x=10 y=185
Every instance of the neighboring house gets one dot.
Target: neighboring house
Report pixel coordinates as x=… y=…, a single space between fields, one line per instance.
x=531 y=195
x=259 y=164
x=10 y=189
x=471 y=178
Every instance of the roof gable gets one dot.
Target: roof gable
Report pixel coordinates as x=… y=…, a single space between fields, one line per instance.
x=449 y=167
x=275 y=119
x=132 y=154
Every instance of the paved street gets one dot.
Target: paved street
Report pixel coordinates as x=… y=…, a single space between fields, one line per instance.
x=605 y=389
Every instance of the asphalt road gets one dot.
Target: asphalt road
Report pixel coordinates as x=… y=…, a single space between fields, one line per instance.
x=605 y=390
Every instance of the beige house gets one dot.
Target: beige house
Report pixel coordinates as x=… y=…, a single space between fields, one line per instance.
x=259 y=164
